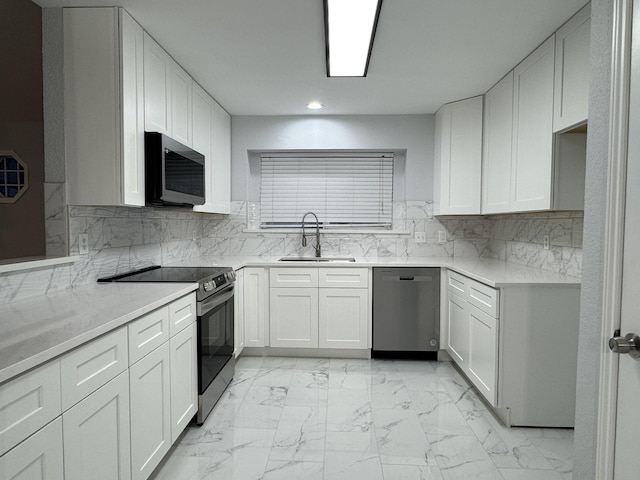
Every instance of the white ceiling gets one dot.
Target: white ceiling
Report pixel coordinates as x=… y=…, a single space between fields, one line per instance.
x=267 y=57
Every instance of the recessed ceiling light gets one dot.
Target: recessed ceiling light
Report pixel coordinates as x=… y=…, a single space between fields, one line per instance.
x=350 y=26
x=314 y=105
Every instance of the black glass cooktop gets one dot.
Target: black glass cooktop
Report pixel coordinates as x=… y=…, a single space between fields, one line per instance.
x=167 y=274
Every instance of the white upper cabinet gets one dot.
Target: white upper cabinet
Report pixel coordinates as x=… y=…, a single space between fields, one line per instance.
x=168 y=92
x=458 y=157
x=496 y=152
x=532 y=143
x=221 y=160
x=104 y=110
x=572 y=71
x=212 y=137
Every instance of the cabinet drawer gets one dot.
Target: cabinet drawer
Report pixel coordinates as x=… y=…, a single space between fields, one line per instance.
x=484 y=297
x=28 y=403
x=90 y=366
x=147 y=333
x=343 y=277
x=293 y=277
x=38 y=457
x=182 y=313
x=458 y=284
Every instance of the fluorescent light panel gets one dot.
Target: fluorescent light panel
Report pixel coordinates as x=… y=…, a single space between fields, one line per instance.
x=349 y=30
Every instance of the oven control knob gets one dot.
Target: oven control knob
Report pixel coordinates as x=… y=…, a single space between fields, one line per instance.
x=231 y=276
x=207 y=286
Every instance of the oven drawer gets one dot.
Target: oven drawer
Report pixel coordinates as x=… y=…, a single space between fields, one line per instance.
x=147 y=333
x=182 y=313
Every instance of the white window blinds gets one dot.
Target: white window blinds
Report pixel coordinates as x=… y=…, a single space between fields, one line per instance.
x=343 y=190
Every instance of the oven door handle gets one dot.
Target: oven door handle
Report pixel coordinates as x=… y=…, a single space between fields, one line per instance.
x=216 y=300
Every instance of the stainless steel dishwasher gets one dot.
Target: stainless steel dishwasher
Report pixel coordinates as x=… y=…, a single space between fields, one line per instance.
x=406 y=312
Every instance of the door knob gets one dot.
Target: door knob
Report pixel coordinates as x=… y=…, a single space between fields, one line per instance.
x=630 y=344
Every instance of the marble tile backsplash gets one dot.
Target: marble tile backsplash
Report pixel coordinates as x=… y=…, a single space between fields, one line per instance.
x=122 y=239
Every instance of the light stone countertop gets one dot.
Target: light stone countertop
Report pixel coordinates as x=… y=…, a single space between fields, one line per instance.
x=39 y=329
x=495 y=273
x=36 y=330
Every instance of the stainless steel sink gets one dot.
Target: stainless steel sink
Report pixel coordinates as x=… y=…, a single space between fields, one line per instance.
x=316 y=259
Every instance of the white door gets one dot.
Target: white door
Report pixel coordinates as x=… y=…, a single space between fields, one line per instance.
x=150 y=400
x=294 y=317
x=628 y=413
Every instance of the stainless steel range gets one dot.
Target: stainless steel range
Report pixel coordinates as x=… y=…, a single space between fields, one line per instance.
x=215 y=323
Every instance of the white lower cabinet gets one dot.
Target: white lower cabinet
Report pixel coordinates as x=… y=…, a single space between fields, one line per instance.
x=96 y=434
x=343 y=317
x=109 y=409
x=184 y=379
x=294 y=317
x=483 y=352
x=238 y=314
x=472 y=333
x=312 y=307
x=256 y=307
x=458 y=329
x=518 y=346
x=37 y=458
x=150 y=411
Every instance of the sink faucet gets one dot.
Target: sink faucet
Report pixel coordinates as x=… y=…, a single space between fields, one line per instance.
x=304 y=236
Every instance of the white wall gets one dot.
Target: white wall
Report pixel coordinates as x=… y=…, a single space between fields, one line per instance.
x=413 y=133
x=589 y=346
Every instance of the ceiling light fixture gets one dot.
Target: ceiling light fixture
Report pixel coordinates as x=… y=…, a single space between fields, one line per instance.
x=349 y=29
x=314 y=105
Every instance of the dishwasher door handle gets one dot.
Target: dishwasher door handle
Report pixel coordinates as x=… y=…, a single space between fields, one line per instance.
x=416 y=278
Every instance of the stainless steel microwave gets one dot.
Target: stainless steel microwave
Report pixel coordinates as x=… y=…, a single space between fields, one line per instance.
x=174 y=173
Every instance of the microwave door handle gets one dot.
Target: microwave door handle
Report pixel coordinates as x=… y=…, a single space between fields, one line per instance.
x=215 y=300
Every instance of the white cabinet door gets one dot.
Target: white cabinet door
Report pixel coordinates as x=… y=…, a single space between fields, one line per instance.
x=181 y=98
x=532 y=149
x=483 y=353
x=96 y=434
x=571 y=94
x=238 y=315
x=256 y=307
x=157 y=87
x=343 y=318
x=496 y=153
x=202 y=113
x=132 y=68
x=184 y=379
x=458 y=329
x=294 y=317
x=37 y=458
x=150 y=411
x=221 y=160
x=27 y=403
x=104 y=128
x=459 y=156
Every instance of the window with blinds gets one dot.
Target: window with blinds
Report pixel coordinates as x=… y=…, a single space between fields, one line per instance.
x=343 y=190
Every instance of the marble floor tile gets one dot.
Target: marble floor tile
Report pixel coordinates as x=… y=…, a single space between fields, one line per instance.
x=332 y=419
x=300 y=435
x=462 y=458
x=352 y=455
x=388 y=392
x=183 y=468
x=508 y=448
x=411 y=472
x=400 y=438
x=279 y=470
x=438 y=414
x=520 y=474
x=348 y=410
